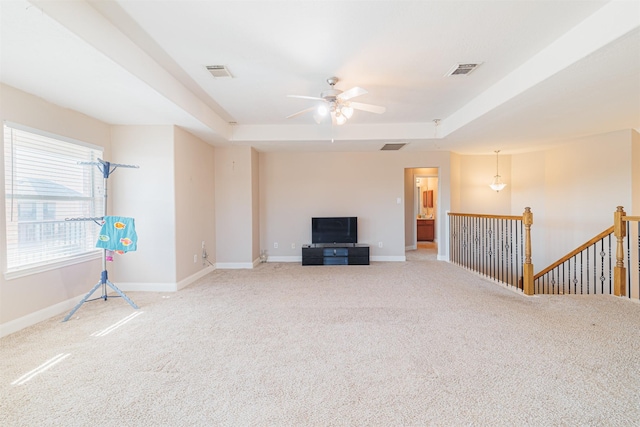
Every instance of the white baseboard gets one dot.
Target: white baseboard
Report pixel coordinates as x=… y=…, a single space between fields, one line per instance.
x=38 y=316
x=388 y=258
x=411 y=248
x=162 y=287
x=443 y=257
x=64 y=306
x=299 y=258
x=146 y=287
x=294 y=258
x=189 y=280
x=234 y=265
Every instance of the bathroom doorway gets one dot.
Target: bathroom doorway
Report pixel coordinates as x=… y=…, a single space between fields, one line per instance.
x=422 y=212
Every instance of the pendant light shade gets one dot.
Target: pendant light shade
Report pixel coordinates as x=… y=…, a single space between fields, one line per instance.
x=497 y=184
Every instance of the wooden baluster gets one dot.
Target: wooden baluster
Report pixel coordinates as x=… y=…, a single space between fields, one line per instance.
x=619 y=271
x=527 y=270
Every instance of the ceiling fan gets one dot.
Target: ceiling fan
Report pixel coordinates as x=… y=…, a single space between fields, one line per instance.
x=337 y=104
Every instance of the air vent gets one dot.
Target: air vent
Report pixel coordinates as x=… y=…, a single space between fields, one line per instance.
x=392 y=147
x=462 y=69
x=219 y=71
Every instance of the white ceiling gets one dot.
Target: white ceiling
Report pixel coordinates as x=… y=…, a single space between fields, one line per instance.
x=551 y=70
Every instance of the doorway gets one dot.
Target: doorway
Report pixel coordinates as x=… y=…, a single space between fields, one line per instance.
x=421 y=214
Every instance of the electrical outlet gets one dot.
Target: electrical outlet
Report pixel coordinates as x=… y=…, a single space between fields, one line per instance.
x=195 y=258
x=203 y=244
x=293 y=246
x=275 y=245
x=379 y=244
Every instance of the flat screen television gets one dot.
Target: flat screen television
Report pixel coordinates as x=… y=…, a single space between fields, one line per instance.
x=334 y=230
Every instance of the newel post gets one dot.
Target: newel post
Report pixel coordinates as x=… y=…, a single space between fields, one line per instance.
x=527 y=270
x=619 y=272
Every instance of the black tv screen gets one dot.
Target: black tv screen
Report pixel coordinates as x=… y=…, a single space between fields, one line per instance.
x=334 y=230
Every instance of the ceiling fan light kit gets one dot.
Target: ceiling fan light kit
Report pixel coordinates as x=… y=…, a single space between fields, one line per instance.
x=337 y=104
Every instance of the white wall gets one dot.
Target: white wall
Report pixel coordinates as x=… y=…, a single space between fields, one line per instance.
x=26 y=300
x=148 y=195
x=234 y=207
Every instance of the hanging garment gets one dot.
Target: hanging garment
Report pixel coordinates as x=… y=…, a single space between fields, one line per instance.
x=118 y=233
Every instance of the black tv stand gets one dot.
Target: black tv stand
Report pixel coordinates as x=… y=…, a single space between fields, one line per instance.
x=335 y=254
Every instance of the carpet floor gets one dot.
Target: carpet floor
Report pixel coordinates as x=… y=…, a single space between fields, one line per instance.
x=413 y=343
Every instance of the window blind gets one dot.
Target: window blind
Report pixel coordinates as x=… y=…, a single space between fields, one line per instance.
x=45 y=186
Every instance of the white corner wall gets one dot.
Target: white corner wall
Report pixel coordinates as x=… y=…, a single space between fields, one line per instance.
x=148 y=195
x=234 y=208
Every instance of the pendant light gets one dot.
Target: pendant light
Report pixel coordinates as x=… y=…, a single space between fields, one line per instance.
x=497 y=183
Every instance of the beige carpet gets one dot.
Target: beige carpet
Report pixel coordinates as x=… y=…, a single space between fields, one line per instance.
x=390 y=344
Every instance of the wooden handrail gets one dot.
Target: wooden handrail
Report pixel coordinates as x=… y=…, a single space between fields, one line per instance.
x=512 y=217
x=630 y=218
x=574 y=252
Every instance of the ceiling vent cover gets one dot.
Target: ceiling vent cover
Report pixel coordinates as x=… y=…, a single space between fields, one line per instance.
x=392 y=147
x=462 y=69
x=219 y=71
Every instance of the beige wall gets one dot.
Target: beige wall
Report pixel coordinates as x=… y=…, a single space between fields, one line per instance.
x=255 y=205
x=44 y=294
x=295 y=187
x=584 y=182
x=456 y=182
x=409 y=210
x=635 y=178
x=476 y=173
x=194 y=203
x=528 y=190
x=234 y=207
x=573 y=191
x=263 y=198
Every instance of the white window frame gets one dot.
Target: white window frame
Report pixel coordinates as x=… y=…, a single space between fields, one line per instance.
x=37 y=244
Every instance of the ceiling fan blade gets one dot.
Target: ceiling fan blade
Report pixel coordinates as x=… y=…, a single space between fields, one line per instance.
x=368 y=107
x=306 y=110
x=315 y=98
x=351 y=93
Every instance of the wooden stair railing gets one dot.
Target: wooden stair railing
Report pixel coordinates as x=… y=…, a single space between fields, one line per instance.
x=626 y=284
x=500 y=247
x=569 y=270
x=595 y=263
x=497 y=246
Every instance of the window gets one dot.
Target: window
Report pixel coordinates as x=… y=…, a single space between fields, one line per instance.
x=44 y=187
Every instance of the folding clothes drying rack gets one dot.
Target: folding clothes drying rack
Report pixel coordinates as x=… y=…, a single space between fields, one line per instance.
x=107 y=169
